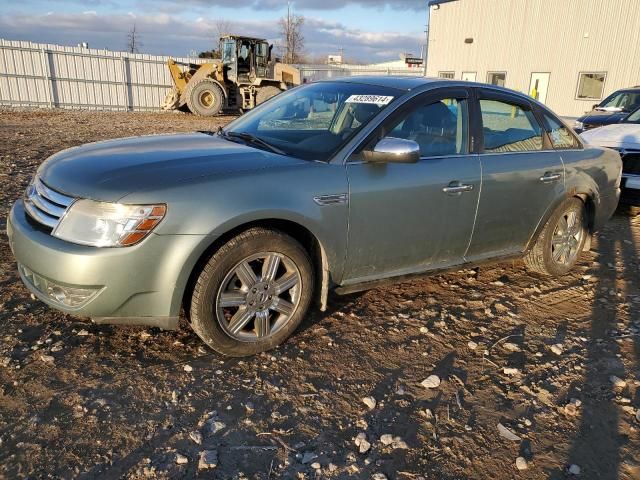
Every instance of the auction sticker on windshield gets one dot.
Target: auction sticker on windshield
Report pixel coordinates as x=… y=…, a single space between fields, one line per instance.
x=370 y=99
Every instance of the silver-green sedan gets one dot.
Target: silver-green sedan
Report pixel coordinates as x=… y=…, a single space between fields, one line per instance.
x=341 y=185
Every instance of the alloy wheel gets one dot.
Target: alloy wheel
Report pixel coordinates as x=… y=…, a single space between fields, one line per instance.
x=258 y=296
x=567 y=238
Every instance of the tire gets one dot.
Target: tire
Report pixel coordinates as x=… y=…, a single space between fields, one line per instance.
x=557 y=250
x=225 y=295
x=265 y=93
x=205 y=98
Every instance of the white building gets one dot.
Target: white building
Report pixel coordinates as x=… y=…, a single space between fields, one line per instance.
x=570 y=54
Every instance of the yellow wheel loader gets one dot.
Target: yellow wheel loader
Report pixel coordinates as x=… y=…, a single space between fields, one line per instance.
x=245 y=77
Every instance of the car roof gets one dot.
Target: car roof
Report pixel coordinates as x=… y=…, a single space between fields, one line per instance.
x=392 y=81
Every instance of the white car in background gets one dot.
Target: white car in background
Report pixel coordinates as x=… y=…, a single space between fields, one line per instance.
x=625 y=138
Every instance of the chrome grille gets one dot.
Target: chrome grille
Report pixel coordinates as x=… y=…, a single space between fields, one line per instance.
x=44 y=205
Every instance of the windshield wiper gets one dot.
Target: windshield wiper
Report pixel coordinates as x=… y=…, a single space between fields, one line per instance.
x=249 y=138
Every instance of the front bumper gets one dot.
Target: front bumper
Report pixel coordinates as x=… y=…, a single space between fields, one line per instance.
x=142 y=284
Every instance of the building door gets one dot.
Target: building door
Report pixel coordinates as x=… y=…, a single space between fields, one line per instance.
x=539 y=86
x=469 y=76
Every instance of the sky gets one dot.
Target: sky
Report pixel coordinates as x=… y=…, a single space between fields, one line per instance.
x=367 y=30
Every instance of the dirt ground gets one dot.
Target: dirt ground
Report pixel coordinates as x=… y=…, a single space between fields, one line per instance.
x=535 y=355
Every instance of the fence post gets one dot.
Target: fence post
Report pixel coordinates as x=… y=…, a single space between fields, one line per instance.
x=125 y=83
x=46 y=77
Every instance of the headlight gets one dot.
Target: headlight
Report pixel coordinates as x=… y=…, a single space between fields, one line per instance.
x=101 y=224
x=578 y=125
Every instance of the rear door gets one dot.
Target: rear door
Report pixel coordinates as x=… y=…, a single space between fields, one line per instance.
x=405 y=218
x=522 y=175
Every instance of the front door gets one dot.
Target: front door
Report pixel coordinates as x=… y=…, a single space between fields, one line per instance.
x=522 y=176
x=538 y=86
x=406 y=218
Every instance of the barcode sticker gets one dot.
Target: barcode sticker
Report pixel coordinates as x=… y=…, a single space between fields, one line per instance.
x=379 y=100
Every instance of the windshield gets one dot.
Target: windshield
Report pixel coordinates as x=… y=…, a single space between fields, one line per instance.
x=314 y=121
x=633 y=118
x=621 y=101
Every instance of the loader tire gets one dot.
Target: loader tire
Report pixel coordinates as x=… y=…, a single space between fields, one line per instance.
x=205 y=98
x=265 y=93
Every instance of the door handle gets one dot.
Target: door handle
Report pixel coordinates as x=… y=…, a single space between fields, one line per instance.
x=550 y=177
x=455 y=188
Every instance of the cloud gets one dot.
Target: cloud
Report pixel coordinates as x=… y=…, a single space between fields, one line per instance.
x=167 y=34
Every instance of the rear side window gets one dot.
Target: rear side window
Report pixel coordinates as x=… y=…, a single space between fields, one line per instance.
x=509 y=128
x=560 y=136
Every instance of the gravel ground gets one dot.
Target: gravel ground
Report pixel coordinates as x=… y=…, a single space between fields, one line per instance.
x=466 y=372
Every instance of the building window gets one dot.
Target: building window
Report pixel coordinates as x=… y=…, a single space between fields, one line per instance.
x=497 y=78
x=591 y=86
x=447 y=75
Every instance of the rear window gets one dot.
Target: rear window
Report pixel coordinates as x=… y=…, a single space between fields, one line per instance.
x=561 y=137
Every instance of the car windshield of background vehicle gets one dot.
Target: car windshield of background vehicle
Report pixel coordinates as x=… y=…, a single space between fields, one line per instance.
x=621 y=102
x=633 y=118
x=313 y=122
x=509 y=128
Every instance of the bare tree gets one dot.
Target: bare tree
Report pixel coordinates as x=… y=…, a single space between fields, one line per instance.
x=133 y=40
x=292 y=37
x=223 y=27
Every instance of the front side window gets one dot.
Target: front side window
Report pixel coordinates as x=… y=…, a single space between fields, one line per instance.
x=560 y=136
x=509 y=128
x=228 y=51
x=497 y=78
x=314 y=121
x=440 y=127
x=591 y=86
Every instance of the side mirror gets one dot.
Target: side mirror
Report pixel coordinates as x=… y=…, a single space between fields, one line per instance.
x=393 y=150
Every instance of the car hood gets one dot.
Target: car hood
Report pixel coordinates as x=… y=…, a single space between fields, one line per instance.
x=599 y=117
x=111 y=169
x=620 y=135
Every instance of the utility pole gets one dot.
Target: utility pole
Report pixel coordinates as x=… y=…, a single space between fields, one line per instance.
x=426 y=45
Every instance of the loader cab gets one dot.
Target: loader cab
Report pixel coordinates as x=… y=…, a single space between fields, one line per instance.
x=245 y=59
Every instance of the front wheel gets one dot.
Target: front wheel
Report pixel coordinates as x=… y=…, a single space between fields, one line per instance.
x=558 y=247
x=253 y=293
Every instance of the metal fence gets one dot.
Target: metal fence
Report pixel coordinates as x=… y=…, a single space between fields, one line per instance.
x=54 y=76
x=49 y=76
x=312 y=73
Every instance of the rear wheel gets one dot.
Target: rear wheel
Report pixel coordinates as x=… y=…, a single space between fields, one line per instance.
x=205 y=98
x=561 y=241
x=253 y=293
x=265 y=93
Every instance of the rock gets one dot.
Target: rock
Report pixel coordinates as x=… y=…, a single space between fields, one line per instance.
x=617 y=382
x=333 y=467
x=369 y=402
x=508 y=434
x=181 y=459
x=362 y=443
x=512 y=347
x=215 y=426
x=308 y=457
x=196 y=437
x=82 y=333
x=557 y=349
x=570 y=409
x=472 y=345
x=510 y=371
x=378 y=476
x=574 y=469
x=638 y=415
x=47 y=358
x=316 y=465
x=208 y=459
x=433 y=381
x=188 y=368
x=424 y=330
x=521 y=463
x=386 y=439
x=395 y=442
